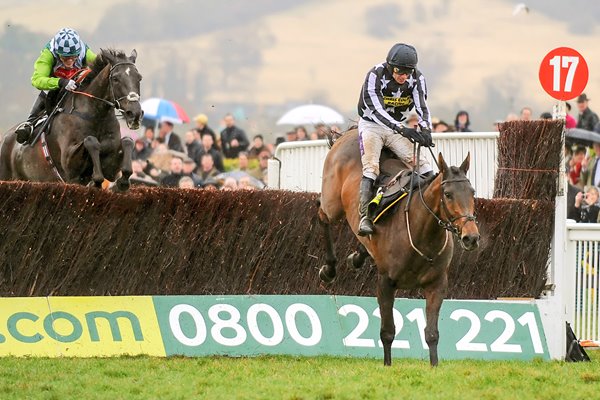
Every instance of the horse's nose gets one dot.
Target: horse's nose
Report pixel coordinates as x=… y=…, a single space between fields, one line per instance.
x=470 y=241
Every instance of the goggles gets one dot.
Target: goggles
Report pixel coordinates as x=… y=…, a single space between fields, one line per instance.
x=402 y=70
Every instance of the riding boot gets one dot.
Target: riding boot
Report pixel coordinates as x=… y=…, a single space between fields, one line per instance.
x=365 y=227
x=24 y=130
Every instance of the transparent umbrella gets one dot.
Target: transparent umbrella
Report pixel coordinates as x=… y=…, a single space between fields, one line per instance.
x=311 y=114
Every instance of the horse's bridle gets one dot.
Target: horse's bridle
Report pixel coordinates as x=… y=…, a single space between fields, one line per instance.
x=449 y=224
x=132 y=96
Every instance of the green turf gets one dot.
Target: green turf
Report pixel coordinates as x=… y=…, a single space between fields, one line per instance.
x=293 y=378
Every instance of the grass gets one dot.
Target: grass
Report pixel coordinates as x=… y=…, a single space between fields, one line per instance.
x=293 y=378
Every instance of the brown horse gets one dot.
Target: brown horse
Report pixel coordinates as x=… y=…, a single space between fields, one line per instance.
x=84 y=140
x=411 y=249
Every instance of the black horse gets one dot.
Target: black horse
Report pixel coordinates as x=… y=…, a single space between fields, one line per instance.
x=83 y=141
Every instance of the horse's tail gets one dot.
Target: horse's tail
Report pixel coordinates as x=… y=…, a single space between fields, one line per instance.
x=332 y=136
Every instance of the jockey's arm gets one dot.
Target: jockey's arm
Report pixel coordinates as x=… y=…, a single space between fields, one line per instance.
x=420 y=98
x=42 y=72
x=373 y=100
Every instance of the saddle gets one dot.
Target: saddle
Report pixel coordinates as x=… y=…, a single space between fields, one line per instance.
x=392 y=185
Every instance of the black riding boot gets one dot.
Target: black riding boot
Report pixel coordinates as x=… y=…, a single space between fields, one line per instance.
x=24 y=130
x=365 y=227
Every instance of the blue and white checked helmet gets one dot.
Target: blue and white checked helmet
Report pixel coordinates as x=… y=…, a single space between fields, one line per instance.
x=67 y=43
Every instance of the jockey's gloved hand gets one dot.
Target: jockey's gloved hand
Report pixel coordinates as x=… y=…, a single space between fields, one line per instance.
x=412 y=134
x=426 y=135
x=68 y=84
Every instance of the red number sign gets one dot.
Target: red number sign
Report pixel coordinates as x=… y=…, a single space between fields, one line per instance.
x=564 y=73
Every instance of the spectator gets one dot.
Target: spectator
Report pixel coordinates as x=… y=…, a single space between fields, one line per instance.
x=210 y=184
x=260 y=172
x=570 y=122
x=139 y=176
x=176 y=173
x=291 y=136
x=207 y=167
x=301 y=133
x=587 y=205
x=441 y=126
x=202 y=128
x=229 y=184
x=192 y=145
x=526 y=114
x=243 y=161
x=462 y=122
x=321 y=130
x=188 y=170
x=512 y=117
x=258 y=145
x=590 y=168
x=165 y=132
x=233 y=139
x=207 y=147
x=186 y=183
x=587 y=118
x=149 y=136
x=245 y=183
x=575 y=166
x=313 y=136
x=140 y=150
x=545 y=115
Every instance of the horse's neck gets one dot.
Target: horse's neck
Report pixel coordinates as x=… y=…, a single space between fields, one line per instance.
x=99 y=87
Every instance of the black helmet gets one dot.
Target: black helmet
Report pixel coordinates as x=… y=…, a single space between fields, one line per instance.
x=402 y=56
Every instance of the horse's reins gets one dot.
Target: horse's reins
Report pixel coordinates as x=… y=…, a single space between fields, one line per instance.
x=448 y=225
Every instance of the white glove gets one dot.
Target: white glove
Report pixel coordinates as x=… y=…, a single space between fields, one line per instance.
x=71 y=85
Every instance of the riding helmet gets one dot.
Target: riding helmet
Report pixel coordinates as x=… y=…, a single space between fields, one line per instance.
x=403 y=56
x=67 y=43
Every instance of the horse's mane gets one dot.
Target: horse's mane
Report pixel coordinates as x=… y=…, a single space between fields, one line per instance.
x=104 y=58
x=332 y=136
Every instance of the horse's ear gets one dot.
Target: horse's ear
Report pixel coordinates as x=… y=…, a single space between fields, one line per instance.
x=442 y=164
x=133 y=56
x=464 y=167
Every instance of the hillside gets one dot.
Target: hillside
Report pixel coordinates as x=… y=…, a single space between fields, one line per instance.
x=476 y=55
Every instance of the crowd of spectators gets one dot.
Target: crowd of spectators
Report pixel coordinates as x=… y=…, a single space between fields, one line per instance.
x=228 y=160
x=208 y=160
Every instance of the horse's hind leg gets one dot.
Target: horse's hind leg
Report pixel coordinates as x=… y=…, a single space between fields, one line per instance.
x=327 y=272
x=92 y=145
x=434 y=296
x=357 y=259
x=385 y=297
x=126 y=168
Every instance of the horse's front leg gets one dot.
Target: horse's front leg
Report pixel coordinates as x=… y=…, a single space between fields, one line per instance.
x=386 y=289
x=434 y=296
x=327 y=272
x=92 y=145
x=126 y=168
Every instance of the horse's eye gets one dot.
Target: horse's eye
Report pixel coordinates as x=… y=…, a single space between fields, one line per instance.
x=448 y=195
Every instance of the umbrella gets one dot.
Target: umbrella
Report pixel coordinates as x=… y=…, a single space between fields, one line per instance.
x=581 y=136
x=240 y=174
x=164 y=110
x=311 y=114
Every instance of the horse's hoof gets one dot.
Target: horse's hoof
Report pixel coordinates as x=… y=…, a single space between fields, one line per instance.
x=353 y=262
x=324 y=276
x=123 y=185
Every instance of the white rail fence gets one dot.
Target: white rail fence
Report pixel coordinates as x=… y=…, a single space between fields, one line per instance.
x=576 y=255
x=299 y=165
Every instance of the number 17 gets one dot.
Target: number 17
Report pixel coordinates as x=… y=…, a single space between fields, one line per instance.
x=570 y=62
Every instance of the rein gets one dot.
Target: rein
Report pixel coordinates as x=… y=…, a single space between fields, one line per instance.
x=115 y=103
